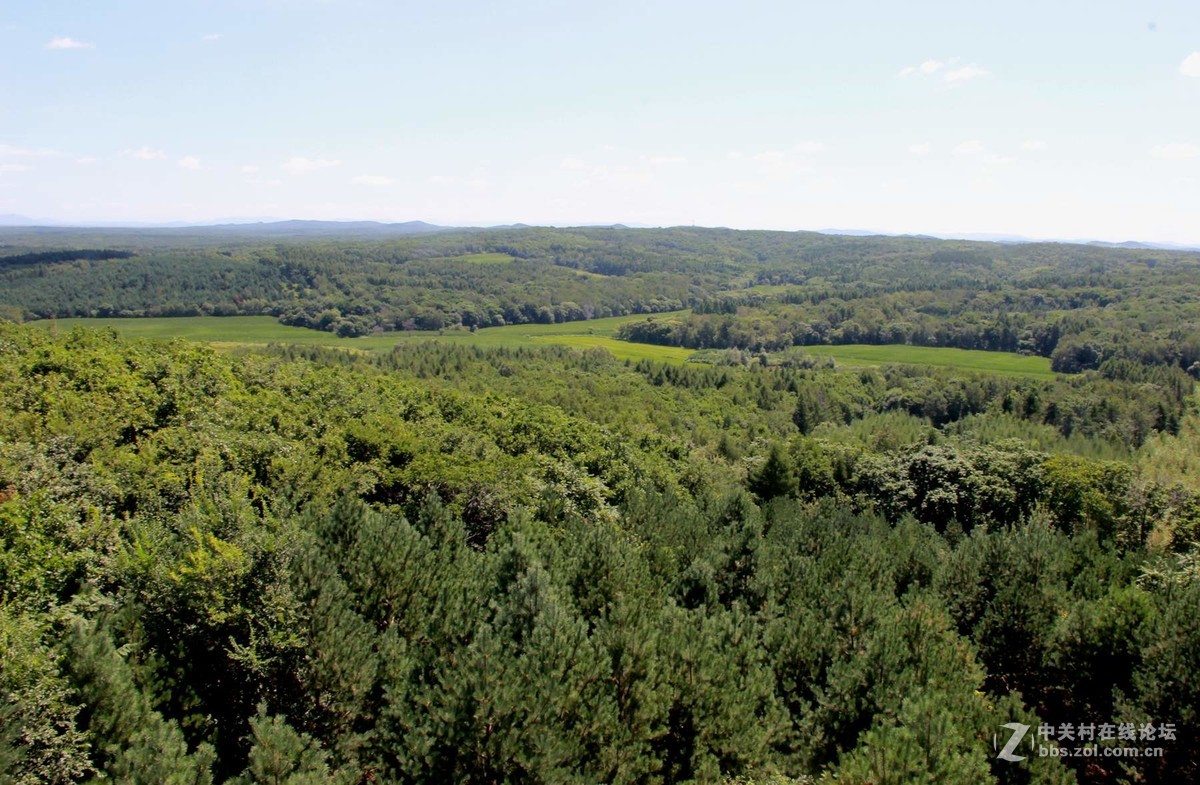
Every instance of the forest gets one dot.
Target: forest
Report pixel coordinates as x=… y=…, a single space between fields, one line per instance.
x=486 y=564
x=1079 y=305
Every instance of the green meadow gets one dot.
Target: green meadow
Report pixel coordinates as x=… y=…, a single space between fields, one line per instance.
x=966 y=359
x=477 y=258
x=234 y=331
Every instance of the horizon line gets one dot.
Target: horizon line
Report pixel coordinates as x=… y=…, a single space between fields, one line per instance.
x=972 y=236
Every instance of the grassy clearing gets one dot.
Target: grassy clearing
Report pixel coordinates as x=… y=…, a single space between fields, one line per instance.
x=963 y=359
x=223 y=330
x=239 y=331
x=766 y=288
x=228 y=332
x=479 y=258
x=622 y=350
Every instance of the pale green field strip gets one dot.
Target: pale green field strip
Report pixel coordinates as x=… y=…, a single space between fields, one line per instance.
x=476 y=258
x=234 y=331
x=962 y=359
x=622 y=350
x=765 y=288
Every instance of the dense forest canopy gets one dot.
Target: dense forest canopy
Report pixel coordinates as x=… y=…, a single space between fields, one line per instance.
x=454 y=563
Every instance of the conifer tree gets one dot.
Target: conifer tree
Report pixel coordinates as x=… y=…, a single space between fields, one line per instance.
x=281 y=756
x=134 y=742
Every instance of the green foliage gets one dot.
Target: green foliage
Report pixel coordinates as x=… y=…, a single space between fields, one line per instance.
x=134 y=742
x=39 y=739
x=452 y=563
x=281 y=756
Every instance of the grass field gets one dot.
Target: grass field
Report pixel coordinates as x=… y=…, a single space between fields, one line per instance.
x=622 y=350
x=765 y=288
x=477 y=258
x=234 y=331
x=965 y=359
x=226 y=330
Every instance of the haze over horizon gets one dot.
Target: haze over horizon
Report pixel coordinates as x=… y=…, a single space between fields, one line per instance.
x=890 y=118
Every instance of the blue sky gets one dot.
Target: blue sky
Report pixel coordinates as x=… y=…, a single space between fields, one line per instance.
x=1064 y=119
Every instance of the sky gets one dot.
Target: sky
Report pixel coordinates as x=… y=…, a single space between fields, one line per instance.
x=1061 y=119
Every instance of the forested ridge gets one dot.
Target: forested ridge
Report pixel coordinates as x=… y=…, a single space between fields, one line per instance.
x=455 y=564
x=755 y=290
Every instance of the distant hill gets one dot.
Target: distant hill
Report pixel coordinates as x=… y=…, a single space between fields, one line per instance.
x=323 y=228
x=12 y=219
x=1134 y=244
x=984 y=237
x=290 y=228
x=238 y=229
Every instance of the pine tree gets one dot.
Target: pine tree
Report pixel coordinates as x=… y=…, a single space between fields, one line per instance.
x=134 y=743
x=281 y=756
x=774 y=477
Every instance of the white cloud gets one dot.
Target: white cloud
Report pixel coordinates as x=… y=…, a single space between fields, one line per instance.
x=259 y=181
x=798 y=149
x=1037 y=145
x=591 y=173
x=297 y=165
x=189 y=162
x=1175 y=151
x=145 y=154
x=924 y=148
x=15 y=168
x=771 y=157
x=964 y=74
x=441 y=179
x=1191 y=65
x=927 y=67
x=664 y=160
x=807 y=148
x=249 y=169
x=10 y=151
x=978 y=151
x=970 y=147
x=87 y=160
x=952 y=73
x=67 y=43
x=374 y=180
x=795 y=160
x=212 y=37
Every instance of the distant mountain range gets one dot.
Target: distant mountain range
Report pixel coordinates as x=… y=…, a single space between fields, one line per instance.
x=274 y=227
x=268 y=227
x=1016 y=238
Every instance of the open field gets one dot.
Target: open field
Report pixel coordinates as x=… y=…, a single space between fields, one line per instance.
x=966 y=359
x=477 y=258
x=622 y=350
x=232 y=331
